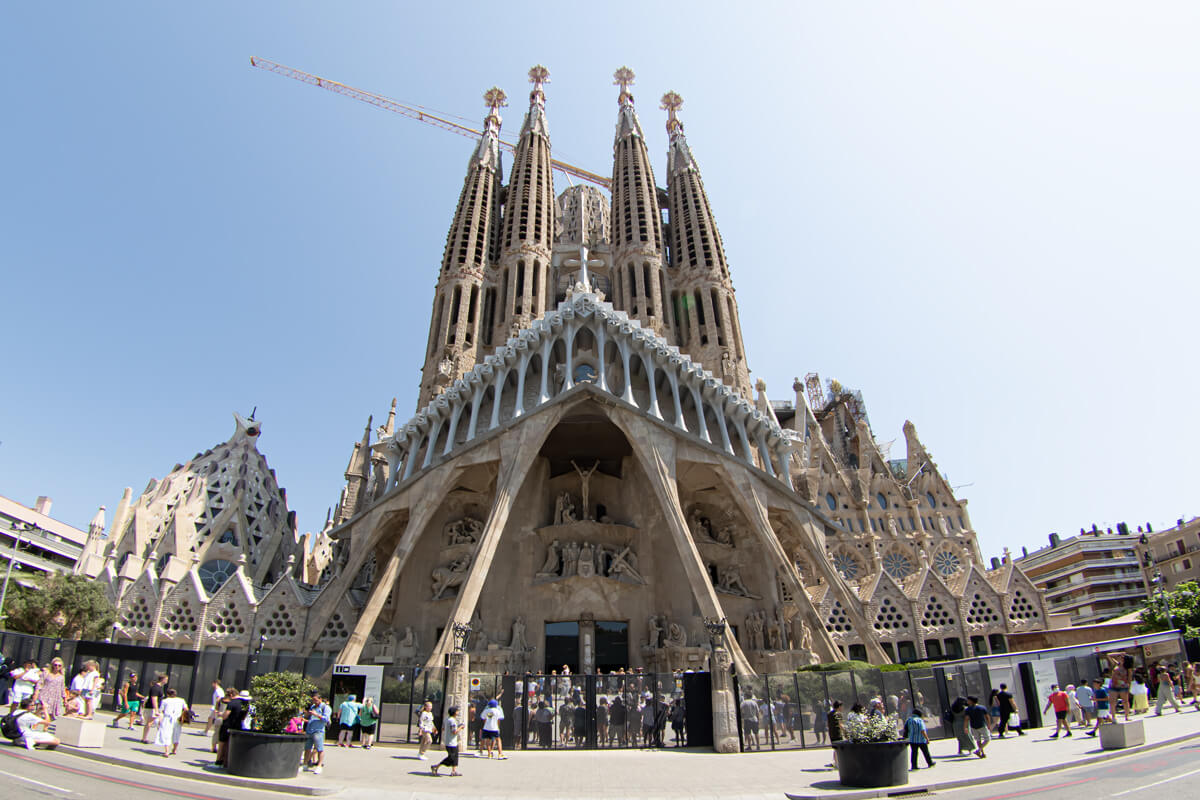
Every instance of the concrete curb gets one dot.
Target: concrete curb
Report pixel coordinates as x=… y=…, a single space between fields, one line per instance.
x=200 y=775
x=919 y=788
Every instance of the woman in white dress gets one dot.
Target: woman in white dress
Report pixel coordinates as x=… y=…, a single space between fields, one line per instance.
x=170 y=724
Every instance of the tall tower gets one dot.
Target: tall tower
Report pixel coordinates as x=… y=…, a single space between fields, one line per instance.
x=470 y=249
x=703 y=300
x=639 y=283
x=527 y=233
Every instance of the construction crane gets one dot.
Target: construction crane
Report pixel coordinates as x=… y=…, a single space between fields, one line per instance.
x=412 y=112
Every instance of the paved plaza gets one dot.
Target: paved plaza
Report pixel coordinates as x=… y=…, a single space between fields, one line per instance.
x=393 y=771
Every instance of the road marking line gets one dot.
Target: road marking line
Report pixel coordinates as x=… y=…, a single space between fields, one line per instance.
x=39 y=783
x=135 y=784
x=1041 y=789
x=1156 y=783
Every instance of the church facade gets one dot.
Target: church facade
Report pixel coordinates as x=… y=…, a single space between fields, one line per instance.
x=590 y=477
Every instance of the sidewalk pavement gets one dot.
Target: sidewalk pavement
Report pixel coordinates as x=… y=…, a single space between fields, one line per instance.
x=394 y=771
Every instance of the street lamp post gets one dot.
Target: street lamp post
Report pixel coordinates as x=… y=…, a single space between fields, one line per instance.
x=1159 y=584
x=20 y=528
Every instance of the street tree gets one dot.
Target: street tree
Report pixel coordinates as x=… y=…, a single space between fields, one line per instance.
x=1184 y=602
x=61 y=606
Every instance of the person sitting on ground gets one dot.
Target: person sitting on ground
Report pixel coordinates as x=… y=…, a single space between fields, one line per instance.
x=1061 y=704
x=977 y=716
x=28 y=722
x=918 y=739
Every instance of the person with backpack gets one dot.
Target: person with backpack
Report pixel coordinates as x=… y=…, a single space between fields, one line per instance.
x=918 y=739
x=24 y=724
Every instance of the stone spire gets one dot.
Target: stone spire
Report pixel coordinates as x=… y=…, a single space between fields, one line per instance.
x=528 y=229
x=470 y=248
x=639 y=284
x=709 y=328
x=358 y=472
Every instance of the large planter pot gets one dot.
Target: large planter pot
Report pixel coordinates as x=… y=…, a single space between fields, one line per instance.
x=872 y=764
x=264 y=755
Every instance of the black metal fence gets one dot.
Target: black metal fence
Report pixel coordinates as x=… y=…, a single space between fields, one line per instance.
x=554 y=712
x=785 y=711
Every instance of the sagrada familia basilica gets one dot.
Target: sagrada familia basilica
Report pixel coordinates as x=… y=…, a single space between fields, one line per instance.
x=591 y=474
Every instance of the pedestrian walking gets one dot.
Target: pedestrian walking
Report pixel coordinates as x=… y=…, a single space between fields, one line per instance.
x=154 y=698
x=749 y=709
x=1166 y=692
x=1010 y=718
x=918 y=739
x=368 y=719
x=130 y=702
x=347 y=719
x=170 y=723
x=1139 y=693
x=491 y=727
x=977 y=715
x=1103 y=713
x=833 y=720
x=50 y=690
x=214 y=715
x=1061 y=704
x=452 y=728
x=317 y=717
x=1087 y=702
x=425 y=729
x=961 y=725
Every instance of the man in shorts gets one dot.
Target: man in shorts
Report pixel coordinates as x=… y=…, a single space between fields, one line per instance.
x=317 y=719
x=977 y=716
x=154 y=699
x=1061 y=703
x=749 y=709
x=1103 y=714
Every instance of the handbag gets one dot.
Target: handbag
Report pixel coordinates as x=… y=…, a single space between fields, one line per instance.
x=1014 y=720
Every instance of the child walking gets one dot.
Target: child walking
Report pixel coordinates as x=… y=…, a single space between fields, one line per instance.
x=450 y=732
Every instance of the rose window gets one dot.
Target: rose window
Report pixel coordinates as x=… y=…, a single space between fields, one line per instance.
x=946 y=563
x=897 y=565
x=847 y=565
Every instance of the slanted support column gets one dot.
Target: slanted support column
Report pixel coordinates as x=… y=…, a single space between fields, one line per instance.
x=650 y=367
x=569 y=357
x=516 y=456
x=724 y=426
x=475 y=398
x=742 y=487
x=430 y=489
x=455 y=414
x=544 y=388
x=522 y=367
x=602 y=372
x=434 y=430
x=497 y=394
x=655 y=452
x=627 y=395
x=698 y=402
x=679 y=423
x=764 y=453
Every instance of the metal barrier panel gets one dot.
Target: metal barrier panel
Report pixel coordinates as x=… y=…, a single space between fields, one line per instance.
x=784 y=715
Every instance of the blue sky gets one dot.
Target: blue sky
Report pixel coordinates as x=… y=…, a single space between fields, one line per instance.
x=981 y=215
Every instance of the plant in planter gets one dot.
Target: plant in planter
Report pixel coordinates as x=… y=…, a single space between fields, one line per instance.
x=266 y=751
x=872 y=754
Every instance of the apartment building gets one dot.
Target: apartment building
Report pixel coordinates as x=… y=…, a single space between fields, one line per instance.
x=1092 y=577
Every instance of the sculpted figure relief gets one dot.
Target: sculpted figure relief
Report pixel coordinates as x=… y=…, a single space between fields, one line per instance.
x=463 y=531
x=551 y=566
x=564 y=509
x=518 y=635
x=584 y=479
x=655 y=632
x=754 y=629
x=731 y=582
x=410 y=638
x=676 y=636
x=450 y=577
x=587 y=561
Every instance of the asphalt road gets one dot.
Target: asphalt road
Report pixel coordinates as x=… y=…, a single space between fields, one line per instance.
x=1169 y=773
x=43 y=774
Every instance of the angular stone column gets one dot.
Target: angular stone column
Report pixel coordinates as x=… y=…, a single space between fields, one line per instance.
x=587 y=645
x=456 y=691
x=724 y=704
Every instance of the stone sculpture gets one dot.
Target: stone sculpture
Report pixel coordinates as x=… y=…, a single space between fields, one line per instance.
x=450 y=577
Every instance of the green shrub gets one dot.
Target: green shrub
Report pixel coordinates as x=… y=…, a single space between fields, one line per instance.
x=277 y=697
x=837 y=666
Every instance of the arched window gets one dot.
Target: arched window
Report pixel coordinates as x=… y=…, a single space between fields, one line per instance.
x=214 y=574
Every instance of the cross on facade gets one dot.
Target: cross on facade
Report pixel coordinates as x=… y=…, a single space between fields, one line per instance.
x=623 y=77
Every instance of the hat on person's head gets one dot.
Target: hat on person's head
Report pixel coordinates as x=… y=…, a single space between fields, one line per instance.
x=350 y=698
x=493 y=703
x=244 y=694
